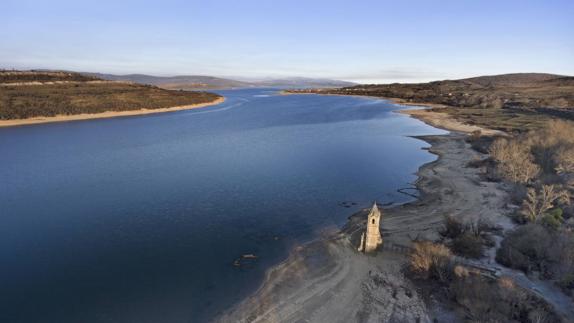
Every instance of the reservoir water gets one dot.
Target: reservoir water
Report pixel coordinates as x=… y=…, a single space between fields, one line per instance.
x=140 y=219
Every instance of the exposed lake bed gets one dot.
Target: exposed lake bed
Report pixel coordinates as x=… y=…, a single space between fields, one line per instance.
x=142 y=218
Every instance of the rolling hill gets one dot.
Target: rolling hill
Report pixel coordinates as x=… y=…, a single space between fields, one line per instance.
x=182 y=82
x=191 y=82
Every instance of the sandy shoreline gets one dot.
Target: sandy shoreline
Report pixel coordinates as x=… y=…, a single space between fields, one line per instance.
x=103 y=115
x=444 y=121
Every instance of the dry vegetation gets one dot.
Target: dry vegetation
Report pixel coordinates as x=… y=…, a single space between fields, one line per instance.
x=77 y=96
x=478 y=298
x=534 y=247
x=468 y=238
x=539 y=164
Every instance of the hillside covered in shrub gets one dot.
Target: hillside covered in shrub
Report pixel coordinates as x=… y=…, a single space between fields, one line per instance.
x=47 y=94
x=509 y=102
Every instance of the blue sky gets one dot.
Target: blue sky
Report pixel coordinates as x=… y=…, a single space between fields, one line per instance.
x=361 y=40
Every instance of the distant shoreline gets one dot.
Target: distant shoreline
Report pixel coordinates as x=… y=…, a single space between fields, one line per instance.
x=393 y=100
x=435 y=119
x=104 y=115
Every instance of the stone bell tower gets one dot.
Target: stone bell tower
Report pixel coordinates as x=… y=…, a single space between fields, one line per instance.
x=371 y=239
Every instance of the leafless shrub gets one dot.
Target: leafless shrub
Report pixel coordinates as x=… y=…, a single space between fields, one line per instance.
x=565 y=160
x=562 y=255
x=485 y=300
x=467 y=238
x=536 y=247
x=431 y=260
x=545 y=155
x=539 y=201
x=547 y=144
x=514 y=161
x=452 y=227
x=526 y=248
x=468 y=245
x=481 y=299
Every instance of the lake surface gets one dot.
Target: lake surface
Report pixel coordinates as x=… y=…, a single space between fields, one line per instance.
x=140 y=219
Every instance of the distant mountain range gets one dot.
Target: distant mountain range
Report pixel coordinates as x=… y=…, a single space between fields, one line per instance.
x=194 y=82
x=304 y=82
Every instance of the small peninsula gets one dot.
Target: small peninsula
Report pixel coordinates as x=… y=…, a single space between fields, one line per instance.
x=30 y=97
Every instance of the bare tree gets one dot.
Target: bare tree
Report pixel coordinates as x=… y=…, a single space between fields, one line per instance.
x=540 y=201
x=514 y=160
x=565 y=160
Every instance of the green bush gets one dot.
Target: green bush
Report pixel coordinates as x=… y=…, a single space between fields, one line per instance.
x=567 y=282
x=553 y=219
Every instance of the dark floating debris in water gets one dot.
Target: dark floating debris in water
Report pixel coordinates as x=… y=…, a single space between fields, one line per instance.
x=249 y=256
x=347 y=204
x=263 y=238
x=245 y=261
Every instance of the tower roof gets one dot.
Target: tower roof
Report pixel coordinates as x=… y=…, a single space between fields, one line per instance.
x=375 y=210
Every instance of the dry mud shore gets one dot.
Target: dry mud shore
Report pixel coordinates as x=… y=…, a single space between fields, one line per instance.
x=327 y=280
x=110 y=114
x=444 y=121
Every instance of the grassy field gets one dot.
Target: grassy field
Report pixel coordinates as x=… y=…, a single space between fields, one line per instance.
x=27 y=100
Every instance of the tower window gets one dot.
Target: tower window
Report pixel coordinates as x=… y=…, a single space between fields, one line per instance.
x=373 y=221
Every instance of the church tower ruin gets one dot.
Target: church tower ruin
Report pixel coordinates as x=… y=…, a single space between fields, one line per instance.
x=371 y=239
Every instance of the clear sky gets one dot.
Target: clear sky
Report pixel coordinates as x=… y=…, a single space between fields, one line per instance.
x=361 y=40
